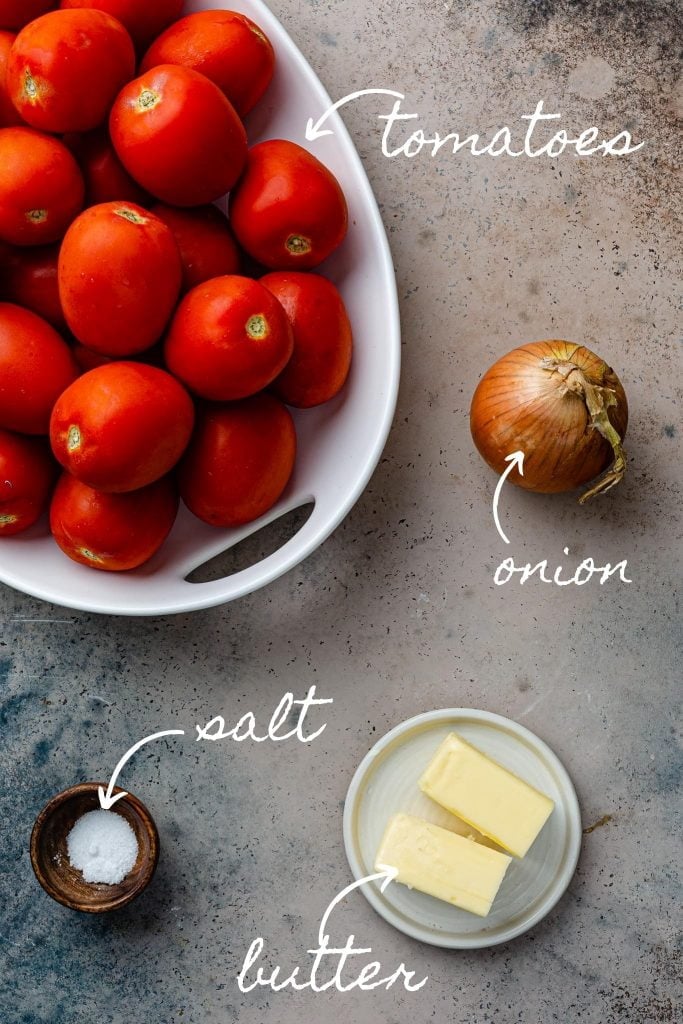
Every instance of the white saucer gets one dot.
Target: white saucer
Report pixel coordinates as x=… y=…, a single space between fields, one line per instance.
x=386 y=782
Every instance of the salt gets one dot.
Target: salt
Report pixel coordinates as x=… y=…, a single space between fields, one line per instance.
x=102 y=845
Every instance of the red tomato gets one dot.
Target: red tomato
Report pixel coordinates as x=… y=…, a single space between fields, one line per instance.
x=178 y=135
x=228 y=339
x=113 y=532
x=206 y=243
x=9 y=115
x=106 y=179
x=323 y=340
x=86 y=359
x=225 y=46
x=17 y=13
x=239 y=461
x=30 y=280
x=121 y=426
x=119 y=278
x=36 y=365
x=41 y=187
x=144 y=19
x=27 y=472
x=288 y=211
x=66 y=68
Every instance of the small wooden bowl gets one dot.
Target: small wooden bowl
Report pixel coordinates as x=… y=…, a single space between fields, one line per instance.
x=50 y=859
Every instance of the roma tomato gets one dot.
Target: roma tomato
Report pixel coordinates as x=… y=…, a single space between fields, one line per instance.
x=121 y=426
x=239 y=461
x=27 y=472
x=144 y=19
x=119 y=278
x=287 y=211
x=36 y=365
x=9 y=115
x=225 y=46
x=66 y=68
x=17 y=13
x=178 y=135
x=30 y=280
x=228 y=339
x=206 y=243
x=113 y=532
x=322 y=338
x=86 y=359
x=106 y=179
x=41 y=187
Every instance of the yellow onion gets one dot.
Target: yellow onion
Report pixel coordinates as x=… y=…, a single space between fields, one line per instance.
x=562 y=406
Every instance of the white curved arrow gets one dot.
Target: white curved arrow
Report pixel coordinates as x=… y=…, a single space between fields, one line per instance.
x=107 y=801
x=314 y=131
x=515 y=459
x=386 y=873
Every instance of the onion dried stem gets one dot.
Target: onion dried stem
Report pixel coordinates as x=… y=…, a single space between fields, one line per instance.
x=597 y=400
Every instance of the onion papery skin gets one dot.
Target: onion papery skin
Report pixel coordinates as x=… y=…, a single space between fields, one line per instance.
x=521 y=405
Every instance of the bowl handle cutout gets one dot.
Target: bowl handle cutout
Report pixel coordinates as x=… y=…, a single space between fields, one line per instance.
x=257 y=549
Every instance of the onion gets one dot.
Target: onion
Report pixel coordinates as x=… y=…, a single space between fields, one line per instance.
x=562 y=406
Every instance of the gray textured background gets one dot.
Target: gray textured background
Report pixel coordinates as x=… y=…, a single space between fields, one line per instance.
x=397 y=613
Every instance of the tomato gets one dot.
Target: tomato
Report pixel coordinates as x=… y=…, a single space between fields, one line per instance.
x=239 y=461
x=66 y=68
x=35 y=367
x=119 y=278
x=144 y=19
x=17 y=13
x=86 y=359
x=323 y=340
x=121 y=426
x=113 y=532
x=41 y=187
x=27 y=472
x=287 y=211
x=30 y=280
x=228 y=339
x=225 y=46
x=9 y=115
x=106 y=179
x=178 y=135
x=206 y=243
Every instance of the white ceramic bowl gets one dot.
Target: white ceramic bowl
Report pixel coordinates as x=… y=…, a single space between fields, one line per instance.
x=339 y=443
x=386 y=782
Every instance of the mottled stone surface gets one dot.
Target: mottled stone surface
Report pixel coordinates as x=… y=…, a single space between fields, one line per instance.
x=397 y=613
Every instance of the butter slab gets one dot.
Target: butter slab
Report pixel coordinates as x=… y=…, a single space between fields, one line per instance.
x=442 y=864
x=485 y=795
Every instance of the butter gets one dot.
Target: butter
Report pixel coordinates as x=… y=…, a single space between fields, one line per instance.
x=485 y=795
x=442 y=863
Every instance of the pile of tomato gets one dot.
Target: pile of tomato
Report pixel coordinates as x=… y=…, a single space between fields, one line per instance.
x=150 y=345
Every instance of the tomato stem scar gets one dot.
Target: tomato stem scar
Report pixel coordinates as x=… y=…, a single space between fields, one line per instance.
x=257 y=326
x=73 y=440
x=148 y=99
x=131 y=215
x=90 y=555
x=7 y=519
x=298 y=245
x=36 y=216
x=30 y=87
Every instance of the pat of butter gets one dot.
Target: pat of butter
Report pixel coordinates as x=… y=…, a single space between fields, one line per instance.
x=485 y=795
x=442 y=863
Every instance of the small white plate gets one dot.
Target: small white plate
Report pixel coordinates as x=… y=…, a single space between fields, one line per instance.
x=386 y=782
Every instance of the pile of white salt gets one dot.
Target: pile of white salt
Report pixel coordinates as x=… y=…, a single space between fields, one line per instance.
x=102 y=845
